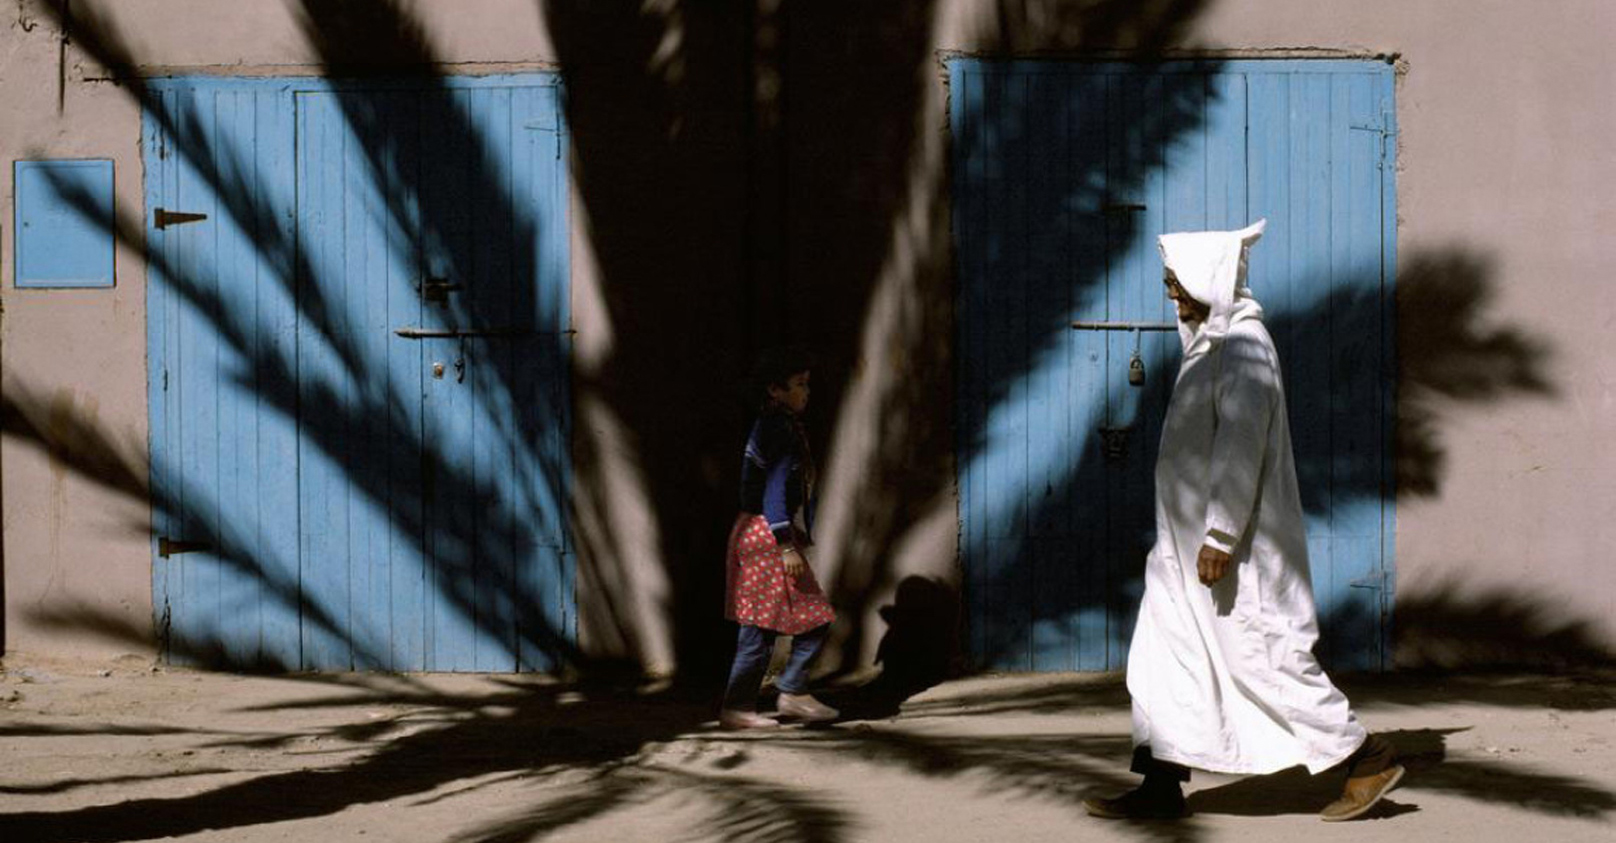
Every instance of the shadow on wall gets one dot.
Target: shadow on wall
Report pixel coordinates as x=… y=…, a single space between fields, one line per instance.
x=747 y=174
x=1453 y=354
x=1452 y=627
x=1461 y=361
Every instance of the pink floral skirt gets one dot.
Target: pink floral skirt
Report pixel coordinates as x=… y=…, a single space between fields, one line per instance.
x=759 y=592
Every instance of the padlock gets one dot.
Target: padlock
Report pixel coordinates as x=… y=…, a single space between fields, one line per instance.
x=1136 y=370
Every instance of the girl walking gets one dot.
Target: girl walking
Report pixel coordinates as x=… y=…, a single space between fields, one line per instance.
x=771 y=588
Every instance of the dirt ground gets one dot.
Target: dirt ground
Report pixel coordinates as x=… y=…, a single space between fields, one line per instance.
x=128 y=751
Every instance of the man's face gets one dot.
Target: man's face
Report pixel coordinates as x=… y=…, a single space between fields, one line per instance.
x=1189 y=310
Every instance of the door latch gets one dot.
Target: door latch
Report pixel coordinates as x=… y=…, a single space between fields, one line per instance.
x=1114 y=443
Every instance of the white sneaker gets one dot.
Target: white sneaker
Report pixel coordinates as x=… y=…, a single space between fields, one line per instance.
x=735 y=718
x=805 y=708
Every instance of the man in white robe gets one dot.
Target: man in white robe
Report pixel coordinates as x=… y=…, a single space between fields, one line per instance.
x=1221 y=668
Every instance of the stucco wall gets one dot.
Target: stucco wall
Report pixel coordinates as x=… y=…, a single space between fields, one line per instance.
x=1505 y=119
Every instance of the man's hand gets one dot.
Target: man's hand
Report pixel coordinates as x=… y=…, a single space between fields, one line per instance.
x=1211 y=564
x=796 y=563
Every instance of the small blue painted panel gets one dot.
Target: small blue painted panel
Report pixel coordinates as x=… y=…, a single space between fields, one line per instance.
x=64 y=223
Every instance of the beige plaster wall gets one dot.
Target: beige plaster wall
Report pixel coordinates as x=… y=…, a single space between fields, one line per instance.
x=71 y=357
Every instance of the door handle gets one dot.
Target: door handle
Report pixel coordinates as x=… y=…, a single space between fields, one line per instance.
x=437 y=290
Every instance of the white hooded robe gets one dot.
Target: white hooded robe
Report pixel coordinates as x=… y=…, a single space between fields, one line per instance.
x=1224 y=678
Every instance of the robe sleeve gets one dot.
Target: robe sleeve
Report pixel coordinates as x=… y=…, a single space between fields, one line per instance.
x=1246 y=397
x=778 y=461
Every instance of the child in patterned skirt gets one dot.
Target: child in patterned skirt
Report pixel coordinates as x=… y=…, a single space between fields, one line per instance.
x=771 y=588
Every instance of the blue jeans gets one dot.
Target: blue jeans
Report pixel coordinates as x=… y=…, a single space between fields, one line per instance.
x=753 y=648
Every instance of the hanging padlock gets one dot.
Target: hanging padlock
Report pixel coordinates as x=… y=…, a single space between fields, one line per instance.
x=1136 y=369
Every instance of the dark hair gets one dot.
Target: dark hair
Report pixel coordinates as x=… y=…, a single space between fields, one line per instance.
x=775 y=366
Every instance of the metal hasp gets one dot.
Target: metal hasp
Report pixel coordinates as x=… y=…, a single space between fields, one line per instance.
x=1136 y=363
x=452 y=333
x=167 y=547
x=164 y=218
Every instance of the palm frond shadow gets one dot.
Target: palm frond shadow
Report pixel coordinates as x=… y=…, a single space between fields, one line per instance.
x=1058 y=769
x=1424 y=753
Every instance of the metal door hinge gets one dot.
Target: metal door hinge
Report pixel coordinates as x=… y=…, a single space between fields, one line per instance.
x=167 y=547
x=1379 y=581
x=165 y=218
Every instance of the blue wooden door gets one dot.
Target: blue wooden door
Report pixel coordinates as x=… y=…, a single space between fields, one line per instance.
x=1063 y=176
x=382 y=340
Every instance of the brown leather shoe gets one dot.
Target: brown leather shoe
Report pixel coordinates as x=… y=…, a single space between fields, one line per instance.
x=1140 y=804
x=1361 y=794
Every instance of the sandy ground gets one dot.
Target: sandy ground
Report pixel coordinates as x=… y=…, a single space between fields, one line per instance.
x=125 y=751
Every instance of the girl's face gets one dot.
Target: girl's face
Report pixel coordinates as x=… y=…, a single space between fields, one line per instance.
x=793 y=394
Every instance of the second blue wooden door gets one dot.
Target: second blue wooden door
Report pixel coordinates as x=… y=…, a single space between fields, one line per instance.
x=1063 y=176
x=364 y=400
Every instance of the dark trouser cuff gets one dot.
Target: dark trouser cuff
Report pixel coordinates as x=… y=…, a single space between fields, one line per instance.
x=1376 y=755
x=1152 y=767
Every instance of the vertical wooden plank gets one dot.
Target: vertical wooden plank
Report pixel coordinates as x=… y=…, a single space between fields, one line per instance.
x=538 y=270
x=1268 y=167
x=448 y=399
x=1002 y=436
x=199 y=388
x=1385 y=93
x=1226 y=180
x=276 y=450
x=161 y=334
x=1014 y=596
x=1133 y=296
x=326 y=392
x=405 y=366
x=554 y=280
x=238 y=600
x=1355 y=391
x=492 y=445
x=1305 y=350
x=1048 y=302
x=1086 y=394
x=536 y=580
x=364 y=278
x=971 y=135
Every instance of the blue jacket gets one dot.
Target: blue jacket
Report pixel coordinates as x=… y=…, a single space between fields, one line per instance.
x=774 y=472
